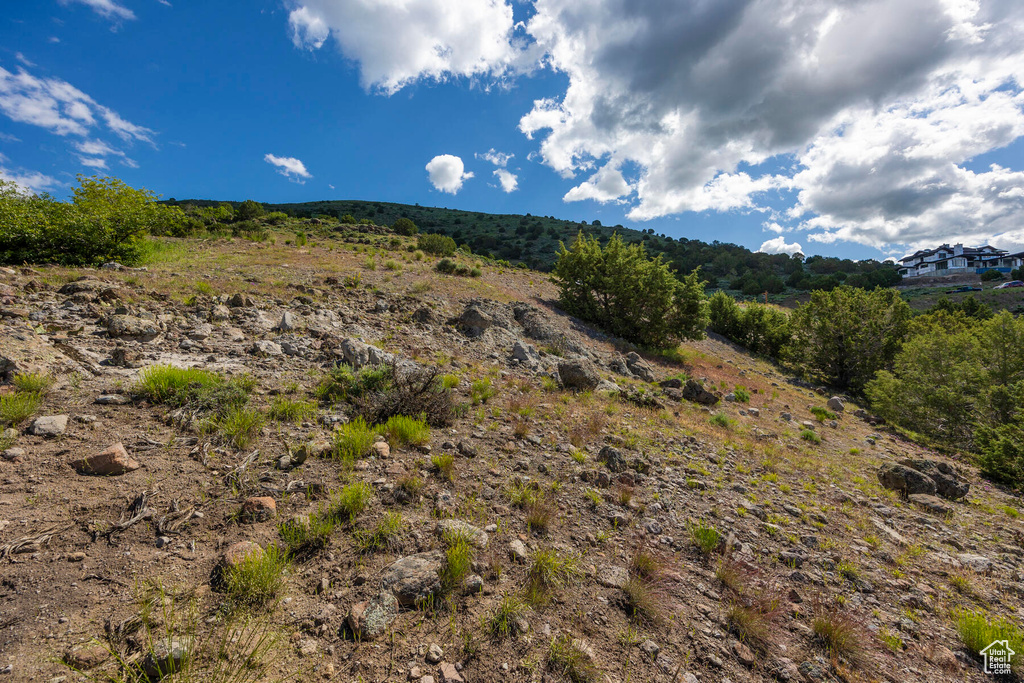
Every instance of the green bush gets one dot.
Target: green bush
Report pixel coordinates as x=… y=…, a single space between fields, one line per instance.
x=843 y=337
x=990 y=275
x=105 y=220
x=404 y=226
x=446 y=266
x=350 y=501
x=258 y=578
x=249 y=210
x=631 y=295
x=977 y=630
x=17 y=407
x=438 y=245
x=353 y=440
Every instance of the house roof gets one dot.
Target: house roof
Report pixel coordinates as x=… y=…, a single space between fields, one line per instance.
x=984 y=250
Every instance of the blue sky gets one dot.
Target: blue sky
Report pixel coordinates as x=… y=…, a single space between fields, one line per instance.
x=719 y=121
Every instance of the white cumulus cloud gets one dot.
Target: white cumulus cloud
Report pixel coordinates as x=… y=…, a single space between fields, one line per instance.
x=399 y=41
x=291 y=168
x=28 y=182
x=495 y=157
x=509 y=181
x=856 y=121
x=105 y=8
x=447 y=173
x=778 y=245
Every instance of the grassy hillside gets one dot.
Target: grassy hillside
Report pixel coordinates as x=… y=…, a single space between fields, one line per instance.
x=533 y=240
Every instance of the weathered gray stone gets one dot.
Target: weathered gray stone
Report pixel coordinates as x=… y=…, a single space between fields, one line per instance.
x=906 y=480
x=360 y=354
x=132 y=327
x=449 y=528
x=49 y=425
x=694 y=391
x=414 y=579
x=947 y=483
x=167 y=656
x=369 y=620
x=578 y=373
x=836 y=404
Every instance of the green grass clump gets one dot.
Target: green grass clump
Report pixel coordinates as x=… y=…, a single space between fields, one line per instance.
x=508 y=618
x=823 y=414
x=353 y=440
x=32 y=383
x=705 y=537
x=401 y=430
x=239 y=426
x=174 y=386
x=350 y=501
x=450 y=381
x=522 y=494
x=444 y=463
x=568 y=658
x=481 y=391
x=458 y=562
x=549 y=571
x=340 y=383
x=257 y=579
x=309 y=535
x=284 y=409
x=810 y=436
x=384 y=535
x=978 y=629
x=741 y=394
x=721 y=420
x=17 y=407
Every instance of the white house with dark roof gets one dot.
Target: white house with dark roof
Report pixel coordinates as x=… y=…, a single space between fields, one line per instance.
x=959 y=260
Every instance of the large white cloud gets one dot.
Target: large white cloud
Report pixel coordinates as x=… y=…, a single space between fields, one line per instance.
x=447 y=173
x=64 y=110
x=291 y=168
x=778 y=246
x=399 y=41
x=858 y=119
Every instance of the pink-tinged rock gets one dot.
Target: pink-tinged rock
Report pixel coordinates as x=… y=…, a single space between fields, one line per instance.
x=259 y=509
x=114 y=460
x=236 y=553
x=449 y=674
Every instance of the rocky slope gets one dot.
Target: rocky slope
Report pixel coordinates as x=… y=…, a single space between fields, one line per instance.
x=117 y=517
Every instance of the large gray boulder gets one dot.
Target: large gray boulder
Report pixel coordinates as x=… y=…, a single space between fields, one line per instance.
x=474 y=321
x=132 y=327
x=905 y=480
x=639 y=367
x=948 y=483
x=360 y=354
x=695 y=391
x=414 y=579
x=578 y=373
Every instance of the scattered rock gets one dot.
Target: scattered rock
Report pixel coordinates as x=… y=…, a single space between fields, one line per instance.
x=434 y=653
x=360 y=354
x=131 y=327
x=694 y=391
x=517 y=550
x=947 y=483
x=167 y=656
x=369 y=620
x=111 y=462
x=612 y=458
x=930 y=503
x=906 y=480
x=49 y=425
x=613 y=577
x=87 y=656
x=449 y=528
x=414 y=579
x=836 y=404
x=259 y=509
x=265 y=347
x=578 y=373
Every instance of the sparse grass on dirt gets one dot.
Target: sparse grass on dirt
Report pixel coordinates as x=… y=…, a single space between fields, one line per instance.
x=384 y=535
x=549 y=571
x=258 y=579
x=509 y=617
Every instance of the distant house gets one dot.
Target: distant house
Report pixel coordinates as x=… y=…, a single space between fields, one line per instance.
x=959 y=260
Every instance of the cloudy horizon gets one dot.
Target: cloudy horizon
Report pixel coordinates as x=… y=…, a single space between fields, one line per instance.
x=866 y=129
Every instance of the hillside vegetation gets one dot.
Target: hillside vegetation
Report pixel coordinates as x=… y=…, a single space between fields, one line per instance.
x=534 y=240
x=278 y=449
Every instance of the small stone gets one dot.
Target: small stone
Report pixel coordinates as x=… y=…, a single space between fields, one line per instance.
x=168 y=656
x=49 y=425
x=87 y=656
x=163 y=541
x=449 y=674
x=111 y=462
x=76 y=557
x=113 y=400
x=613 y=577
x=381 y=449
x=434 y=653
x=259 y=509
x=449 y=528
x=517 y=550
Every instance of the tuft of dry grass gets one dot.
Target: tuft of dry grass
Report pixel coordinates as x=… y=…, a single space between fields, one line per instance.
x=840 y=634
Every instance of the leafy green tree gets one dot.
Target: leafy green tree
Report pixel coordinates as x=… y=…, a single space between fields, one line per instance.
x=622 y=289
x=404 y=226
x=844 y=336
x=249 y=210
x=104 y=221
x=935 y=386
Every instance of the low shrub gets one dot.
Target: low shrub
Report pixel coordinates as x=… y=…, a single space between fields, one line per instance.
x=706 y=538
x=401 y=430
x=284 y=409
x=257 y=579
x=977 y=630
x=418 y=392
x=353 y=440
x=17 y=407
x=32 y=383
x=810 y=435
x=435 y=244
x=346 y=504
